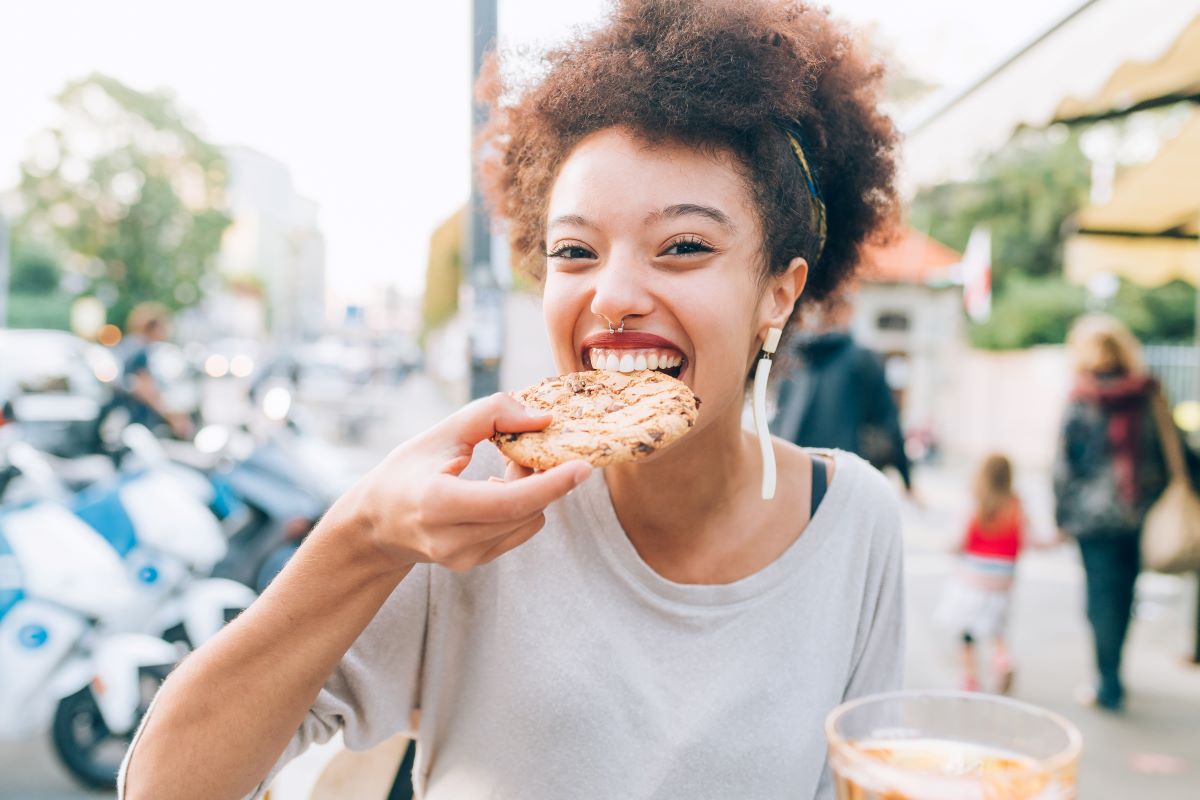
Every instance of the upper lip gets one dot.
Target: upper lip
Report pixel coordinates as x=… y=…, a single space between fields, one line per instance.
x=628 y=340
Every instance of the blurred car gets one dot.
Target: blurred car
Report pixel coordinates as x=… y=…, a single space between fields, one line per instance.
x=57 y=386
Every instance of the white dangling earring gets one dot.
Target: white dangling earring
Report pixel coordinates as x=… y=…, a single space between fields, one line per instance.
x=761 y=373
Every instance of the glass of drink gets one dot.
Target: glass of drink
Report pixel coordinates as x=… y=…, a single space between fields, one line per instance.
x=950 y=746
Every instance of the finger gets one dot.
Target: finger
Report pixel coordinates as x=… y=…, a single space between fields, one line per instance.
x=455 y=500
x=514 y=471
x=501 y=413
x=512 y=541
x=467 y=541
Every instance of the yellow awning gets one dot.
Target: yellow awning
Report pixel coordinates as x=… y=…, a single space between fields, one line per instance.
x=1147 y=232
x=1174 y=74
x=1102 y=50
x=1149 y=262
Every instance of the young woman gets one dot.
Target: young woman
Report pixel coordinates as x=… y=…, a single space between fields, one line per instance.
x=684 y=173
x=1109 y=471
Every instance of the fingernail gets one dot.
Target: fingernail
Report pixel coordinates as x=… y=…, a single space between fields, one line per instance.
x=581 y=474
x=533 y=412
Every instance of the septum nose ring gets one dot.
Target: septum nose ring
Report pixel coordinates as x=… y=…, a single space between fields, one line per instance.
x=620 y=329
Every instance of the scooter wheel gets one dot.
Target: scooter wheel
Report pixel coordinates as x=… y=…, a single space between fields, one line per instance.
x=85 y=745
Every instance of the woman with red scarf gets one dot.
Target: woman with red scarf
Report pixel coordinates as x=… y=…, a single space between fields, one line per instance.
x=1108 y=472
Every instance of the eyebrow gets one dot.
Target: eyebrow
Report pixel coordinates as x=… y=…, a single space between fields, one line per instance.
x=691 y=209
x=571 y=219
x=670 y=212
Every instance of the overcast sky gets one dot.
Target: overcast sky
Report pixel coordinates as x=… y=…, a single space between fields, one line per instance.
x=367 y=101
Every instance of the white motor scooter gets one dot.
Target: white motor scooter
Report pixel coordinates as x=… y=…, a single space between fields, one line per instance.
x=60 y=668
x=159 y=523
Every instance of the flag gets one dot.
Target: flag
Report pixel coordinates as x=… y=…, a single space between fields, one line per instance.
x=977 y=275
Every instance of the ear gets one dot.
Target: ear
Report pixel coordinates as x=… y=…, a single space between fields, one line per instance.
x=783 y=291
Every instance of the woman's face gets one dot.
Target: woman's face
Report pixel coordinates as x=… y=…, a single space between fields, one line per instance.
x=665 y=237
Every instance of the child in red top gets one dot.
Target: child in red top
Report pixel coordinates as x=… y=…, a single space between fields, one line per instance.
x=977 y=600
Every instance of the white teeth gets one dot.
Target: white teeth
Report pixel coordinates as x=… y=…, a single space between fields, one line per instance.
x=630 y=360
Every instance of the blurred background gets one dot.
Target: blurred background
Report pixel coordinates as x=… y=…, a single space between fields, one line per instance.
x=240 y=261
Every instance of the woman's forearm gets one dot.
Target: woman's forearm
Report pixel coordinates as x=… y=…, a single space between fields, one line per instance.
x=228 y=711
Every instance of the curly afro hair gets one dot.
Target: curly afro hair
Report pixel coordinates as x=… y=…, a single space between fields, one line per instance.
x=724 y=75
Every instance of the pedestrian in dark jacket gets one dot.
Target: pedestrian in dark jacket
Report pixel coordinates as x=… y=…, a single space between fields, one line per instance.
x=1108 y=472
x=836 y=395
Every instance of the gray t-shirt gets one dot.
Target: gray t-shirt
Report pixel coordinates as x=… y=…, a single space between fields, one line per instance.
x=568 y=668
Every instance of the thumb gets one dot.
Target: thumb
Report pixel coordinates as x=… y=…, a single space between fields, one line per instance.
x=500 y=413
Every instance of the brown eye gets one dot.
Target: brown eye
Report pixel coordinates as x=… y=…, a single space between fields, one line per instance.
x=570 y=252
x=687 y=247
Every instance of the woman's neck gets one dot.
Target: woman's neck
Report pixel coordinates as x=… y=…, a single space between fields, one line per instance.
x=687 y=511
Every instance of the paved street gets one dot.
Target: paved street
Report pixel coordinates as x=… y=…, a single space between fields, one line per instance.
x=1152 y=751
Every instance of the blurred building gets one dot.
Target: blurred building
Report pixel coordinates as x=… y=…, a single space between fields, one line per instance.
x=909 y=311
x=275 y=244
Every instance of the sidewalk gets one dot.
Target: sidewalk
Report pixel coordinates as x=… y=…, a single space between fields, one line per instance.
x=1153 y=749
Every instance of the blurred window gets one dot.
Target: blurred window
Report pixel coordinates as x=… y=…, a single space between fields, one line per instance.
x=892 y=321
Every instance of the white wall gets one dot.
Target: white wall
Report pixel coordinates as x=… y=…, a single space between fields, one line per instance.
x=1011 y=402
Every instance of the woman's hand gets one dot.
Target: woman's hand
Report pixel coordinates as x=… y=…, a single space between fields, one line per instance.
x=413 y=508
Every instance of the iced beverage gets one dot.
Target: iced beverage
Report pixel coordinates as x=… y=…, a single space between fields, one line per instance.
x=950 y=746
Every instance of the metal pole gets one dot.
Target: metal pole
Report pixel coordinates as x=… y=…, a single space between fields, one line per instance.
x=4 y=272
x=486 y=322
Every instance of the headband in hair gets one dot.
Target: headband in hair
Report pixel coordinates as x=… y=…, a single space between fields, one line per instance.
x=795 y=137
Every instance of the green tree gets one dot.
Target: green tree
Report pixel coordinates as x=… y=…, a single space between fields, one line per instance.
x=127 y=189
x=1024 y=194
x=35 y=270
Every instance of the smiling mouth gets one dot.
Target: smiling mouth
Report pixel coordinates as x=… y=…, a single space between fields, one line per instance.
x=632 y=351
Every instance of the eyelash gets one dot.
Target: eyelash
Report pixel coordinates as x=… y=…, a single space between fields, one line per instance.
x=562 y=249
x=689 y=241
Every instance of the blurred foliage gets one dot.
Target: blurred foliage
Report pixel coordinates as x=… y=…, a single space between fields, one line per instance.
x=1160 y=314
x=443 y=272
x=1040 y=310
x=1026 y=194
x=1030 y=311
x=39 y=310
x=128 y=192
x=35 y=270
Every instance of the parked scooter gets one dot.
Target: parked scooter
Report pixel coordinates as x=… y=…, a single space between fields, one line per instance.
x=61 y=666
x=285 y=478
x=159 y=520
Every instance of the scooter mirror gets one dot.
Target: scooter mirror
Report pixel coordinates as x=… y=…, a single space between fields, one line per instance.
x=141 y=442
x=211 y=439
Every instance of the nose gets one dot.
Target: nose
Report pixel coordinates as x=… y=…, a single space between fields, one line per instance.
x=619 y=292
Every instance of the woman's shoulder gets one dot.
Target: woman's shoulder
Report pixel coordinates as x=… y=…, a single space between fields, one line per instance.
x=860 y=497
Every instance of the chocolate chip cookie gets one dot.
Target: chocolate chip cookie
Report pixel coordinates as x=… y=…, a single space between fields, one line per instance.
x=602 y=417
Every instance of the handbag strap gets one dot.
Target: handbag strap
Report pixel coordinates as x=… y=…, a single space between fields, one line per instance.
x=1168 y=437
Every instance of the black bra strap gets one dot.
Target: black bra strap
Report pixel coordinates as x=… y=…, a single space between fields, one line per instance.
x=820 y=482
